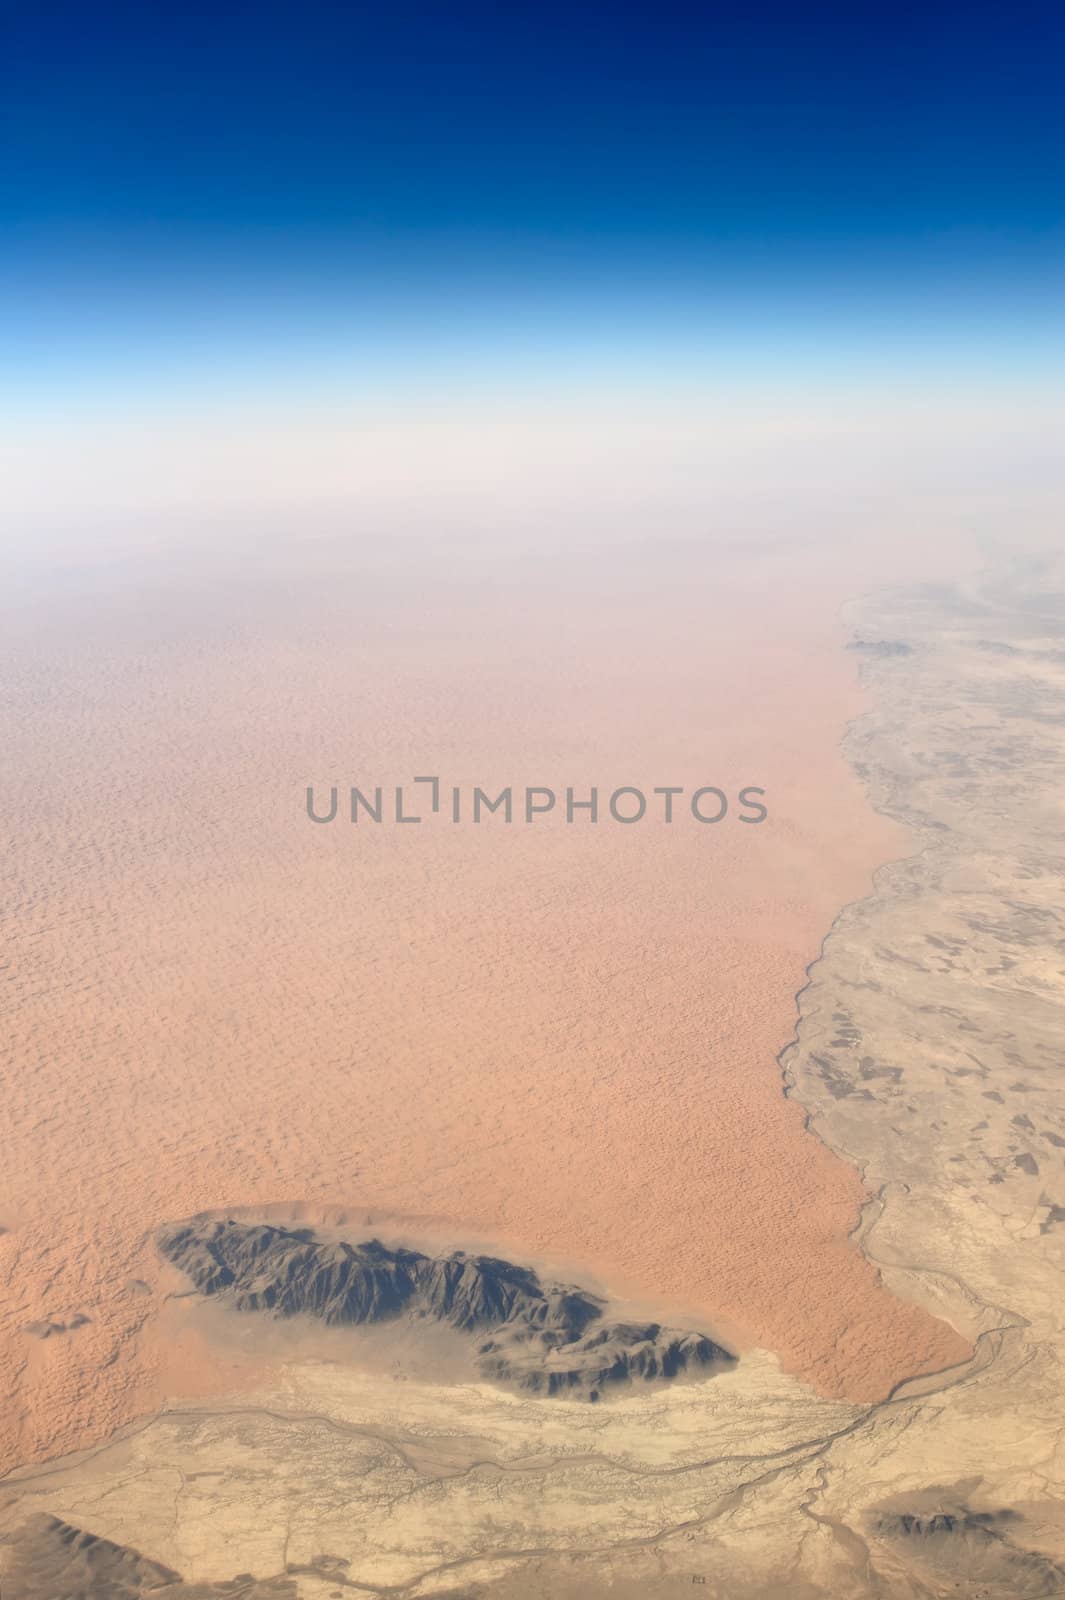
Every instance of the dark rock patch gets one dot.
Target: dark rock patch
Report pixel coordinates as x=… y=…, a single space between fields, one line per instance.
x=546 y=1338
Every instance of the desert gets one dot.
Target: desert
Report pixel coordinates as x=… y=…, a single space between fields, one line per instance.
x=634 y=1060
x=381 y=1474
x=232 y=1006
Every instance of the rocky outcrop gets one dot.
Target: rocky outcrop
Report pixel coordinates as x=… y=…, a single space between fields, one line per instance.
x=548 y=1338
x=49 y=1559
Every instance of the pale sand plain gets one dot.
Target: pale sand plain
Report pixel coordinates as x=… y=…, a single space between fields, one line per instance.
x=562 y=1038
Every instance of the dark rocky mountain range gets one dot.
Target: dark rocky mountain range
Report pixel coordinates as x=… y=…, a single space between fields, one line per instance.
x=546 y=1338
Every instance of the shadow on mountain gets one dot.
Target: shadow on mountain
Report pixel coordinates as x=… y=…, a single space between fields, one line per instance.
x=544 y=1338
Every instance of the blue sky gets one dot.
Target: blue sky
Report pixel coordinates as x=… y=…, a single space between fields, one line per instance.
x=333 y=191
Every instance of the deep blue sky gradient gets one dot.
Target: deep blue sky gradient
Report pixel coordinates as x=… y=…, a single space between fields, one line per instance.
x=295 y=178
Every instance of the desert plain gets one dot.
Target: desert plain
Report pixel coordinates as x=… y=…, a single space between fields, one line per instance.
x=712 y=1071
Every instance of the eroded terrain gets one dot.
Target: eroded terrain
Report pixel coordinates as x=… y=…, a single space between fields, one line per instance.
x=547 y=1338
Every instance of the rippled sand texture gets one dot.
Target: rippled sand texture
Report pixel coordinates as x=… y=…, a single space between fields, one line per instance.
x=562 y=1037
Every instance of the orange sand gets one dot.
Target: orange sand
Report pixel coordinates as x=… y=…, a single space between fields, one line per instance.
x=563 y=1037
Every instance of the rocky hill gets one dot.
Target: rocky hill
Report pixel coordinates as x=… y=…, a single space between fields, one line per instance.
x=546 y=1338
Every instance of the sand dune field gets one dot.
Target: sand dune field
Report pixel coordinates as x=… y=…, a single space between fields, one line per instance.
x=562 y=1037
